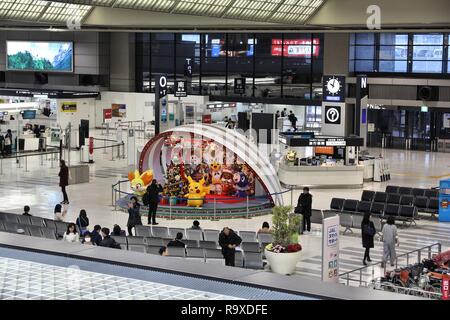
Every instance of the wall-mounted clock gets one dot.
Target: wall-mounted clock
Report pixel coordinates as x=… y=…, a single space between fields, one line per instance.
x=334 y=88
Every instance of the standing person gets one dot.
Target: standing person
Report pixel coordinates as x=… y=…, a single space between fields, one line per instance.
x=304 y=207
x=277 y=115
x=229 y=240
x=71 y=235
x=8 y=142
x=368 y=231
x=64 y=181
x=151 y=200
x=134 y=217
x=389 y=238
x=59 y=213
x=82 y=221
x=284 y=113
x=293 y=119
x=26 y=211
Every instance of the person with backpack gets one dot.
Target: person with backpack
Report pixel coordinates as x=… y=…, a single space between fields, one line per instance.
x=368 y=232
x=150 y=199
x=293 y=119
x=107 y=241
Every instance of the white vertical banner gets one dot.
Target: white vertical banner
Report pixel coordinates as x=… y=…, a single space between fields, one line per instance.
x=330 y=249
x=131 y=148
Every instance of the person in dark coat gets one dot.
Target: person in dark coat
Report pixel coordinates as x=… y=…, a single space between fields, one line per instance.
x=368 y=232
x=228 y=241
x=26 y=211
x=83 y=221
x=64 y=181
x=134 y=217
x=153 y=191
x=177 y=241
x=107 y=241
x=304 y=206
x=8 y=142
x=293 y=119
x=96 y=237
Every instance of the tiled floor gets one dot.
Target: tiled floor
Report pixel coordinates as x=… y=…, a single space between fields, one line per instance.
x=39 y=188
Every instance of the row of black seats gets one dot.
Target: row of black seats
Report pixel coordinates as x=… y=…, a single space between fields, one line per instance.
x=416 y=192
x=383 y=210
x=422 y=203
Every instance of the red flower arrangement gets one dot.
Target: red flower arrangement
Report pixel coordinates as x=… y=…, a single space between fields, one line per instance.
x=293 y=247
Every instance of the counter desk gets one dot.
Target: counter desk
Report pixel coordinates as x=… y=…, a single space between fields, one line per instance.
x=321 y=176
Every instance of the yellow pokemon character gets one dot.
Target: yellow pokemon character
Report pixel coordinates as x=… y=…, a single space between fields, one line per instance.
x=140 y=182
x=197 y=193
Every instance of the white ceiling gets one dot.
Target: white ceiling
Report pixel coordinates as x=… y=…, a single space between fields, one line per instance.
x=272 y=11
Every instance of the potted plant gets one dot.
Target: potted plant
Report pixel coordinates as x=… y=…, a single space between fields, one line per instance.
x=283 y=253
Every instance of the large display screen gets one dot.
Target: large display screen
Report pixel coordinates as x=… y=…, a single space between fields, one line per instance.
x=295 y=47
x=39 y=56
x=29 y=114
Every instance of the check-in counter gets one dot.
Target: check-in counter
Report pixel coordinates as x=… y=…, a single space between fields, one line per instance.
x=321 y=176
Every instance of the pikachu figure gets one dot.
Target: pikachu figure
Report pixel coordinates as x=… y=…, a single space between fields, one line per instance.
x=197 y=192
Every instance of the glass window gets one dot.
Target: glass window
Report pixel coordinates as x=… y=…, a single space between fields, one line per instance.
x=393 y=66
x=268 y=57
x=427 y=66
x=365 y=65
x=188 y=53
x=162 y=57
x=365 y=39
x=428 y=53
x=241 y=48
x=213 y=64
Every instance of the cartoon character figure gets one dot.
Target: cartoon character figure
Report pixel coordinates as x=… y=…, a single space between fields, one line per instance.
x=291 y=156
x=227 y=181
x=216 y=175
x=140 y=182
x=197 y=193
x=242 y=186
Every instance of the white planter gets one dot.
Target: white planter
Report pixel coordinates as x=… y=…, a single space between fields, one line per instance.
x=283 y=263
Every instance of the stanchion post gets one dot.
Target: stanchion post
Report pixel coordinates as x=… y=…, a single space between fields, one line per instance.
x=170 y=208
x=1 y=166
x=104 y=146
x=112 y=152
x=118 y=151
x=123 y=150
x=215 y=206
x=247 y=208
x=26 y=164
x=112 y=195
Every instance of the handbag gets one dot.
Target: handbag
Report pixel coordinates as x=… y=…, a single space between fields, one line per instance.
x=298 y=209
x=368 y=230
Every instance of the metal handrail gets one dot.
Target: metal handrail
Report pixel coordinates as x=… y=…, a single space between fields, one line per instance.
x=346 y=275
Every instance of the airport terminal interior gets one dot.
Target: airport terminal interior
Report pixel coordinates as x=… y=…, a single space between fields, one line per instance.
x=224 y=150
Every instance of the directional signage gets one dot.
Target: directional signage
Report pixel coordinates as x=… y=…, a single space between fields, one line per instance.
x=162 y=86
x=332 y=115
x=188 y=68
x=180 y=88
x=330 y=249
x=239 y=85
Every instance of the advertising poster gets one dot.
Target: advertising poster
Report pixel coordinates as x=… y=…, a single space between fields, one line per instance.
x=119 y=110
x=107 y=115
x=330 y=249
x=69 y=107
x=206 y=118
x=295 y=47
x=444 y=201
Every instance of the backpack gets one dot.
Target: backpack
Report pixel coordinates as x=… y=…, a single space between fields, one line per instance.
x=146 y=198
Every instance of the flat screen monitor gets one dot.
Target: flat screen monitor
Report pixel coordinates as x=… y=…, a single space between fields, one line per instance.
x=29 y=114
x=42 y=56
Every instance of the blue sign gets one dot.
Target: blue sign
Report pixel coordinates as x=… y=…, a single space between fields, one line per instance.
x=215 y=50
x=444 y=201
x=364 y=116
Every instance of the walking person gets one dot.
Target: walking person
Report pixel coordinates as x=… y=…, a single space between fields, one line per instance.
x=304 y=207
x=368 y=232
x=284 y=113
x=150 y=199
x=390 y=239
x=64 y=181
x=59 y=213
x=134 y=217
x=82 y=222
x=8 y=142
x=228 y=241
x=293 y=119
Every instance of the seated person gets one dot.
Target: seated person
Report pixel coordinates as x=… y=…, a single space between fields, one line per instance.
x=96 y=237
x=26 y=211
x=265 y=228
x=117 y=231
x=196 y=225
x=163 y=251
x=107 y=241
x=177 y=241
